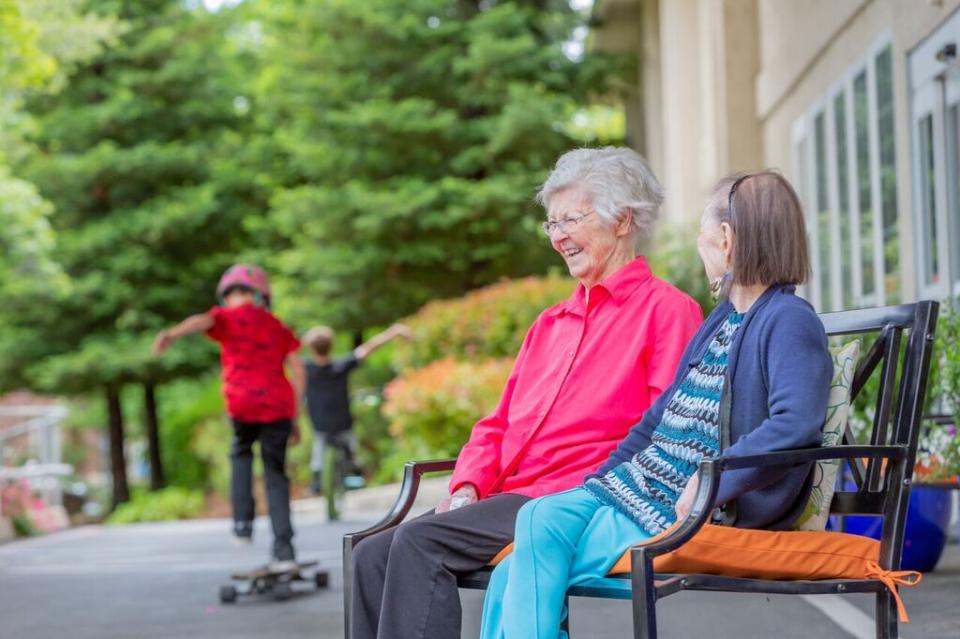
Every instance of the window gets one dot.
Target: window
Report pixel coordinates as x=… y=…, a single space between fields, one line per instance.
x=845 y=168
x=864 y=210
x=843 y=197
x=883 y=65
x=934 y=122
x=823 y=211
x=927 y=186
x=953 y=168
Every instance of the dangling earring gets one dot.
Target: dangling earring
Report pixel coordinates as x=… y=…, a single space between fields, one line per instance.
x=720 y=287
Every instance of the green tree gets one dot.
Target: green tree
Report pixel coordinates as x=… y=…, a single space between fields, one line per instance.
x=414 y=135
x=34 y=57
x=143 y=157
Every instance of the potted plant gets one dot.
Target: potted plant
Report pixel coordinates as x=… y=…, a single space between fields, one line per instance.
x=937 y=464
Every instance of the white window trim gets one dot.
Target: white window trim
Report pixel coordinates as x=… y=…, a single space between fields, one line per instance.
x=928 y=97
x=801 y=165
x=929 y=105
x=804 y=129
x=952 y=165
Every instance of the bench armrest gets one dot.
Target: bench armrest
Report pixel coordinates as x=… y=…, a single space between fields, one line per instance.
x=710 y=470
x=412 y=472
x=803 y=455
x=682 y=531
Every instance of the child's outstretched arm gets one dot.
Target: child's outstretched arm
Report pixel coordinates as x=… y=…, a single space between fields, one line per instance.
x=397 y=330
x=194 y=324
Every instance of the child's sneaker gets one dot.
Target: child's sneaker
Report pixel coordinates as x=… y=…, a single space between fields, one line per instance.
x=243 y=532
x=353 y=468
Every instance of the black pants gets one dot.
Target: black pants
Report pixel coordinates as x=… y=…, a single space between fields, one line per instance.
x=273 y=438
x=405 y=583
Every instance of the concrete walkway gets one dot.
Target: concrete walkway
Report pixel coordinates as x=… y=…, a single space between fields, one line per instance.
x=161 y=581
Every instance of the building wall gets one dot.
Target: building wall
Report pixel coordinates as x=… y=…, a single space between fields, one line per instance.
x=709 y=54
x=792 y=35
x=807 y=47
x=725 y=85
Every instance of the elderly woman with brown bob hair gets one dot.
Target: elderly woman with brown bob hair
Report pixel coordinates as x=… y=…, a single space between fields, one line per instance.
x=760 y=359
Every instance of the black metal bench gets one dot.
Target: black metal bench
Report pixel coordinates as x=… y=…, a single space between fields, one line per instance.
x=882 y=471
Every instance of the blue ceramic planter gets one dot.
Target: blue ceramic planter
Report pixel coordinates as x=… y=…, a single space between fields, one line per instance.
x=928 y=519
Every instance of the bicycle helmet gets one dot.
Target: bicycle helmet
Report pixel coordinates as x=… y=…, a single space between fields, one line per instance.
x=248 y=276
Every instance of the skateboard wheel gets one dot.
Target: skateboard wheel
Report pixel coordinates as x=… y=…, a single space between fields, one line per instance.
x=228 y=594
x=321 y=579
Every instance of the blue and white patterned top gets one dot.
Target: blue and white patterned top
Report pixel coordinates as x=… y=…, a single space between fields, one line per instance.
x=647 y=487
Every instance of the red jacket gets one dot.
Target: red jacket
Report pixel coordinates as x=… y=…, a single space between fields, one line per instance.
x=584 y=375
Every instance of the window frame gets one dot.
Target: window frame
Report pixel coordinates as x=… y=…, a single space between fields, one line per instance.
x=934 y=88
x=804 y=132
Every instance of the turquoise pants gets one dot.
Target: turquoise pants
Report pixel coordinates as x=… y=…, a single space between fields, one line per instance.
x=561 y=540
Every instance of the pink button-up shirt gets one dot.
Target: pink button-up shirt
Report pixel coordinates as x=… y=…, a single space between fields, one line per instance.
x=585 y=374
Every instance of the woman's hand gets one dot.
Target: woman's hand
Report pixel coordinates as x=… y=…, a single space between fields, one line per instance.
x=463 y=496
x=685 y=501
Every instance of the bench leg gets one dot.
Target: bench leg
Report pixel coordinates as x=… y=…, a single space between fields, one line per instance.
x=347 y=582
x=886 y=616
x=644 y=596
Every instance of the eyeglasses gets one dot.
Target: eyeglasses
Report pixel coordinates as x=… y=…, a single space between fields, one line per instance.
x=564 y=226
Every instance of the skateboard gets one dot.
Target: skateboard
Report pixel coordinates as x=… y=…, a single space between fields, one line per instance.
x=278 y=583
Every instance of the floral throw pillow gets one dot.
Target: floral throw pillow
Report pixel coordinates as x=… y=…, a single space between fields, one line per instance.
x=814 y=516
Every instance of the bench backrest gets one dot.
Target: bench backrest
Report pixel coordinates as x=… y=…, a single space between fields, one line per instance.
x=902 y=368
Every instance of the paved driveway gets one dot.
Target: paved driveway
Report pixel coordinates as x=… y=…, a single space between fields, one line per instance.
x=161 y=580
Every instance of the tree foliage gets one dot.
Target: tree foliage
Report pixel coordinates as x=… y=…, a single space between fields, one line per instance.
x=414 y=136
x=373 y=155
x=142 y=156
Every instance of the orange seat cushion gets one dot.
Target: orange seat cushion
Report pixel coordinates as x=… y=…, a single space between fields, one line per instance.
x=768 y=554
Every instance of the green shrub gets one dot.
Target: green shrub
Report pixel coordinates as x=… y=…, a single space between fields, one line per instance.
x=375 y=445
x=162 y=505
x=674 y=258
x=187 y=408
x=22 y=526
x=488 y=322
x=945 y=365
x=211 y=445
x=431 y=407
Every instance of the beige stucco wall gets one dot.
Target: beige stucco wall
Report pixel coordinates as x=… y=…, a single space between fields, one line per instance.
x=724 y=81
x=792 y=35
x=633 y=26
x=709 y=56
x=693 y=115
x=793 y=78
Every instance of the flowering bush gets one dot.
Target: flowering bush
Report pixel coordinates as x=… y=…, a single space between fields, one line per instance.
x=432 y=409
x=488 y=322
x=455 y=368
x=938 y=453
x=674 y=257
x=938 y=448
x=15 y=503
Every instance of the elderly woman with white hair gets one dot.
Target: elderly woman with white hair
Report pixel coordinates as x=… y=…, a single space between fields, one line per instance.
x=588 y=369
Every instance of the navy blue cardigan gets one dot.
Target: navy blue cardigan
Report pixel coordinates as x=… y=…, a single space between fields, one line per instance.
x=778 y=379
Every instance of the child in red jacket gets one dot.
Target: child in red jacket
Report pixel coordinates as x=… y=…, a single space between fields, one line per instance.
x=262 y=404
